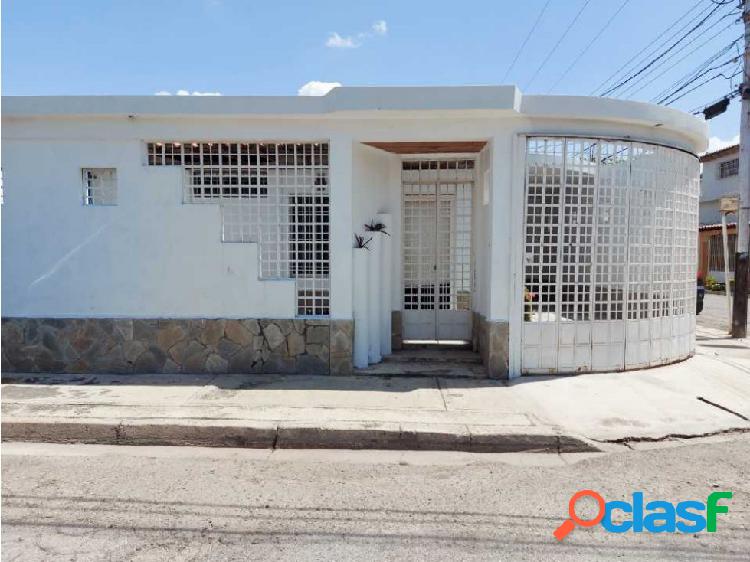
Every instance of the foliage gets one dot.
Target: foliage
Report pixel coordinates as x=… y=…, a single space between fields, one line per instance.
x=376 y=227
x=360 y=242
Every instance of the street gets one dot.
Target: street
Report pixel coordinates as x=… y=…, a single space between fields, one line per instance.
x=715 y=313
x=98 y=502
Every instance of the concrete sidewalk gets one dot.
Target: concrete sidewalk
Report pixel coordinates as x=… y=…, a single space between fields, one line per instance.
x=707 y=394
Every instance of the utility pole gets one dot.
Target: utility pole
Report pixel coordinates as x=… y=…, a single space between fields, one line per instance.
x=739 y=310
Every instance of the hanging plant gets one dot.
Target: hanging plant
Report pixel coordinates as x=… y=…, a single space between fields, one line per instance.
x=360 y=242
x=376 y=227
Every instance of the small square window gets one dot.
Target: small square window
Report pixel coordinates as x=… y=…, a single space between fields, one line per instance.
x=99 y=186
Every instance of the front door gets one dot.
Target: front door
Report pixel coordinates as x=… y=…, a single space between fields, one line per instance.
x=437 y=249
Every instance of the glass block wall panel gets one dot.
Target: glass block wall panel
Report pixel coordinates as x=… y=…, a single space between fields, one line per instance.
x=99 y=186
x=610 y=248
x=275 y=194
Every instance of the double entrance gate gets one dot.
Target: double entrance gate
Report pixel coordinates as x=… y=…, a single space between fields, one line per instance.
x=437 y=259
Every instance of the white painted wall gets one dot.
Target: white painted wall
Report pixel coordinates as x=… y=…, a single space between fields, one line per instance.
x=481 y=232
x=149 y=256
x=152 y=256
x=714 y=187
x=376 y=186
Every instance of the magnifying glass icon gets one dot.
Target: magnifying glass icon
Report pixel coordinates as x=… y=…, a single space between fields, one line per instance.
x=569 y=524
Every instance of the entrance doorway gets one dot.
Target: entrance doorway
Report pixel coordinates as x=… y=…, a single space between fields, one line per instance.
x=437 y=259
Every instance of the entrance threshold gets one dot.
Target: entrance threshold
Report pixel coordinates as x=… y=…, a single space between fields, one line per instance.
x=438 y=345
x=446 y=343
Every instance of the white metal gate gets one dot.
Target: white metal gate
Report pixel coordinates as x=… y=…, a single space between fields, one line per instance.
x=610 y=255
x=436 y=238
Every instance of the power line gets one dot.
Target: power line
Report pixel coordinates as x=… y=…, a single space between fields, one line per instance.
x=633 y=89
x=661 y=55
x=696 y=77
x=528 y=36
x=639 y=53
x=714 y=77
x=587 y=47
x=699 y=109
x=560 y=40
x=693 y=72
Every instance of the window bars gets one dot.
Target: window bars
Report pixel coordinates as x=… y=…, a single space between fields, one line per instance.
x=716 y=252
x=99 y=186
x=275 y=194
x=729 y=168
x=437 y=234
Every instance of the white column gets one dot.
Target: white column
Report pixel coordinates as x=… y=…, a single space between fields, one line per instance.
x=386 y=250
x=502 y=239
x=341 y=226
x=373 y=297
x=360 y=282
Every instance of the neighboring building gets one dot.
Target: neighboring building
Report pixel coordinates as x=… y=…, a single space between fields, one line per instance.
x=214 y=234
x=711 y=251
x=719 y=179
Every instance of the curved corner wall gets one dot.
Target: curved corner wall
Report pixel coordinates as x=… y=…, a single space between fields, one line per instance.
x=609 y=255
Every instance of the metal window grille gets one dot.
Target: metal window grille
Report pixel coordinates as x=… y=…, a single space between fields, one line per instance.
x=275 y=194
x=609 y=254
x=729 y=168
x=716 y=252
x=99 y=186
x=437 y=202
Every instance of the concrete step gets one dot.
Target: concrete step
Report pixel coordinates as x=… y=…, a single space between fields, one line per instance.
x=425 y=368
x=429 y=355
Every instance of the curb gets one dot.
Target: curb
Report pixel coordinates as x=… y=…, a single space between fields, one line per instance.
x=287 y=436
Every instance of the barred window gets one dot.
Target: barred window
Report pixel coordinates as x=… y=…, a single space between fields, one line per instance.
x=273 y=193
x=729 y=168
x=716 y=252
x=99 y=186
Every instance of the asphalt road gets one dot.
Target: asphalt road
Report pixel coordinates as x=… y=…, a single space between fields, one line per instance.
x=80 y=502
x=715 y=313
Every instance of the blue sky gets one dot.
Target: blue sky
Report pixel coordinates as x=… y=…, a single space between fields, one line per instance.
x=243 y=47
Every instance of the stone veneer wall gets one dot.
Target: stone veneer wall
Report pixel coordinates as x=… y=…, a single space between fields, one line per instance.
x=105 y=345
x=491 y=340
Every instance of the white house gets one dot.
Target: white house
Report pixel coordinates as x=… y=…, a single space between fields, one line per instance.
x=719 y=179
x=215 y=234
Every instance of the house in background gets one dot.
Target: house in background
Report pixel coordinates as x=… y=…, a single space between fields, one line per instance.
x=711 y=251
x=719 y=179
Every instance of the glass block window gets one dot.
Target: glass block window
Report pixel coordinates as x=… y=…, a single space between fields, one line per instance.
x=729 y=168
x=99 y=186
x=273 y=193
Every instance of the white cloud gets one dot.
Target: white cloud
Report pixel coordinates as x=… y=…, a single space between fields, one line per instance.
x=380 y=27
x=337 y=42
x=716 y=143
x=186 y=93
x=317 y=88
